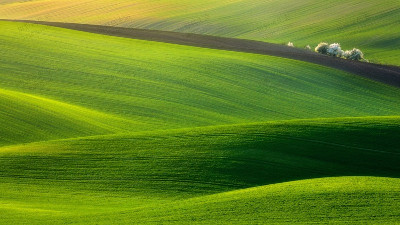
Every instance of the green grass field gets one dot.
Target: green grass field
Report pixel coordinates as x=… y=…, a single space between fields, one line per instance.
x=144 y=82
x=366 y=24
x=105 y=130
x=203 y=174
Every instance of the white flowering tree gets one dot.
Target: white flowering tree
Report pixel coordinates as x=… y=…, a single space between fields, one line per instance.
x=322 y=48
x=355 y=54
x=335 y=50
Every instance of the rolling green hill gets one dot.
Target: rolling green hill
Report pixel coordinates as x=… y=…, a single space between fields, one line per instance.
x=98 y=129
x=343 y=200
x=164 y=86
x=369 y=25
x=173 y=175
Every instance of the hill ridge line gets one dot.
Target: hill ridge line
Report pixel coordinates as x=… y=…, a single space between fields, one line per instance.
x=382 y=73
x=231 y=195
x=200 y=128
x=49 y=99
x=247 y=189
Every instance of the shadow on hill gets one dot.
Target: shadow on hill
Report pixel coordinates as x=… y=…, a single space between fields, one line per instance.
x=212 y=160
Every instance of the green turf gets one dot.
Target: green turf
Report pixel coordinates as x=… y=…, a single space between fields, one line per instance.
x=164 y=86
x=27 y=118
x=154 y=176
x=342 y=200
x=100 y=130
x=366 y=24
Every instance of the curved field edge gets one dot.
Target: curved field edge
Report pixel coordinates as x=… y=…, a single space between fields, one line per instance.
x=135 y=81
x=386 y=74
x=369 y=25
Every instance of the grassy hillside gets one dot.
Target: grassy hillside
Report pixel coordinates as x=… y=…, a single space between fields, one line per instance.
x=121 y=84
x=28 y=118
x=343 y=200
x=174 y=175
x=366 y=24
x=97 y=130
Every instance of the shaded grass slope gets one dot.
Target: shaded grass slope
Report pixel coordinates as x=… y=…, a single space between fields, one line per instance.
x=79 y=180
x=366 y=24
x=164 y=86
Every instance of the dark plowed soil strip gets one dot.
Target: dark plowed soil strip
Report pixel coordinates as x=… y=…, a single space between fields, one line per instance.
x=386 y=74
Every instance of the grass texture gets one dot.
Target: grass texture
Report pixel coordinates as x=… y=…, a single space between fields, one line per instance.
x=107 y=130
x=366 y=24
x=203 y=175
x=116 y=85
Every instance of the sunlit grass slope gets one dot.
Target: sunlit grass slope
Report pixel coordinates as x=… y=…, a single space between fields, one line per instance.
x=342 y=200
x=154 y=176
x=367 y=24
x=165 y=86
x=28 y=118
